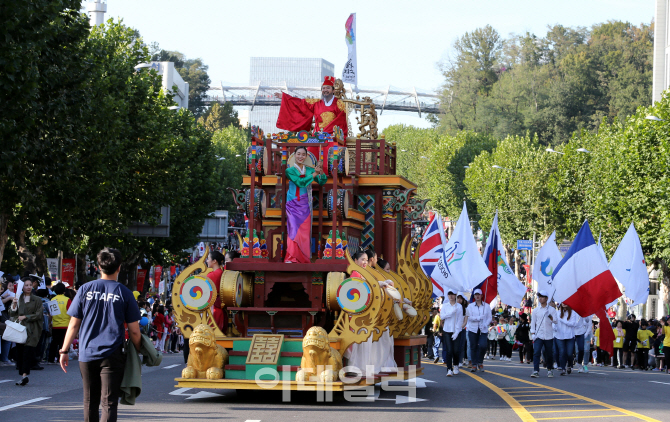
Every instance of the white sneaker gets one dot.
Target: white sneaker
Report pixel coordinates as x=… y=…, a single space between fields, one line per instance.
x=486 y=356
x=555 y=365
x=580 y=370
x=456 y=370
x=502 y=358
x=450 y=374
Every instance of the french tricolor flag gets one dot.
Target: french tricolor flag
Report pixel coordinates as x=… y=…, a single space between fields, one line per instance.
x=582 y=279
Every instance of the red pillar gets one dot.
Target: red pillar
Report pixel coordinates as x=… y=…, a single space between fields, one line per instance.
x=389 y=238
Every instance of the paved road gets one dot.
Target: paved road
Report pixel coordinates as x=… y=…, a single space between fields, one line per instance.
x=505 y=392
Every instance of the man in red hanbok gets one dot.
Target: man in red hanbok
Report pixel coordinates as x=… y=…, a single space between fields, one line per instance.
x=297 y=114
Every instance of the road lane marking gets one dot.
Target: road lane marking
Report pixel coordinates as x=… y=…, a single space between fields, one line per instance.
x=659 y=382
x=11 y=406
x=568 y=411
x=171 y=366
x=538 y=395
x=549 y=399
x=582 y=417
x=577 y=396
x=520 y=411
x=1 y=381
x=525 y=391
x=180 y=392
x=571 y=404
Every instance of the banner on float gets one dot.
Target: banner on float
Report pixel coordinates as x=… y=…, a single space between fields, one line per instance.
x=350 y=71
x=69 y=267
x=173 y=270
x=158 y=272
x=141 y=278
x=52 y=265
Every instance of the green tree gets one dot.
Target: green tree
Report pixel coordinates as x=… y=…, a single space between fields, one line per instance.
x=512 y=180
x=414 y=148
x=195 y=73
x=230 y=146
x=446 y=169
x=42 y=76
x=218 y=117
x=552 y=86
x=469 y=78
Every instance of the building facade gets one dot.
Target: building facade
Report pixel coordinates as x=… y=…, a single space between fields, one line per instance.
x=172 y=82
x=661 y=76
x=289 y=71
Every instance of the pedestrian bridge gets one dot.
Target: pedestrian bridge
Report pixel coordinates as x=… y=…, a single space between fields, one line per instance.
x=384 y=99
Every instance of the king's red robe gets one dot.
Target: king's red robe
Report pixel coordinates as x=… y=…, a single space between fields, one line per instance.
x=296 y=114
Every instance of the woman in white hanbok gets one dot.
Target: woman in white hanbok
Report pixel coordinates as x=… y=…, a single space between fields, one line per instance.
x=376 y=354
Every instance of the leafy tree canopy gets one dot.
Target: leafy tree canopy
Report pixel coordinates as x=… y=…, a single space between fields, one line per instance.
x=551 y=86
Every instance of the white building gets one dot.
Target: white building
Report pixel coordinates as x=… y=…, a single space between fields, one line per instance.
x=172 y=80
x=96 y=12
x=290 y=71
x=661 y=78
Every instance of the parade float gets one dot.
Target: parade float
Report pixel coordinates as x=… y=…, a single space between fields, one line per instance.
x=293 y=322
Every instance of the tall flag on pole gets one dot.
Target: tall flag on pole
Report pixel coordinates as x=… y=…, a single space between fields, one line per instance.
x=431 y=249
x=545 y=264
x=584 y=283
x=461 y=267
x=630 y=268
x=502 y=280
x=350 y=71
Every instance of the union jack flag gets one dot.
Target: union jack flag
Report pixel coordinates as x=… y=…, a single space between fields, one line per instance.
x=431 y=250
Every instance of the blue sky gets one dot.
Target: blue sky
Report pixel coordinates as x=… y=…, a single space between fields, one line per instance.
x=399 y=43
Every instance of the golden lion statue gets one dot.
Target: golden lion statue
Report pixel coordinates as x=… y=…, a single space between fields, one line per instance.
x=206 y=359
x=318 y=358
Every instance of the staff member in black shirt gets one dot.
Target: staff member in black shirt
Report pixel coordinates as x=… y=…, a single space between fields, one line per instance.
x=522 y=335
x=630 y=341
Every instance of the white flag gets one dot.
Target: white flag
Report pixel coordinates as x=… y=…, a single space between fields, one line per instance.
x=629 y=267
x=350 y=71
x=545 y=263
x=462 y=258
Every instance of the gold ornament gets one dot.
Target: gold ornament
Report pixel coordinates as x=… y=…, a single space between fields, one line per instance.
x=318 y=358
x=358 y=328
x=206 y=359
x=186 y=318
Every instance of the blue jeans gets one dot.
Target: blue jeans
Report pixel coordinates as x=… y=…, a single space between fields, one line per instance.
x=436 y=346
x=565 y=350
x=467 y=345
x=4 y=353
x=450 y=350
x=556 y=352
x=548 y=346
x=478 y=343
x=581 y=347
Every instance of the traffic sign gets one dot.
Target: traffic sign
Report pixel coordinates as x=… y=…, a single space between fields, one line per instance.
x=524 y=245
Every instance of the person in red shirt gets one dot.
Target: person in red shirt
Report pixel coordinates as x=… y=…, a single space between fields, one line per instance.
x=215 y=262
x=296 y=114
x=159 y=326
